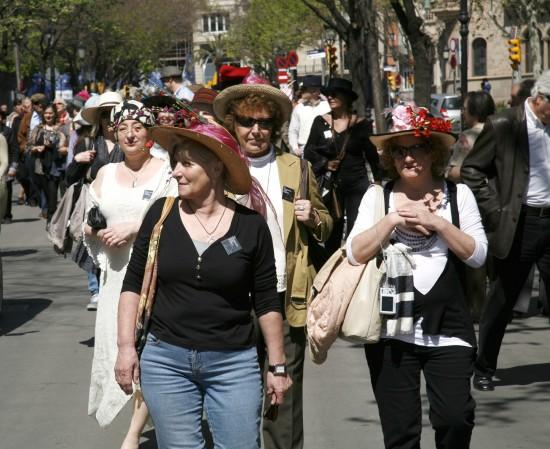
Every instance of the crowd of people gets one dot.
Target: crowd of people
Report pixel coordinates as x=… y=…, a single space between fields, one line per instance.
x=206 y=199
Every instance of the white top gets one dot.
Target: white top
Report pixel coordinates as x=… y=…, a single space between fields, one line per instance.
x=301 y=121
x=159 y=152
x=184 y=93
x=538 y=189
x=430 y=263
x=35 y=120
x=264 y=170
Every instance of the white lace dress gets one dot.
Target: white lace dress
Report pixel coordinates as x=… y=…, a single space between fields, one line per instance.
x=118 y=204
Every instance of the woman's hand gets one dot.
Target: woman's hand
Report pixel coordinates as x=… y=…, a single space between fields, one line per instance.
x=117 y=235
x=127 y=369
x=277 y=386
x=63 y=150
x=38 y=149
x=333 y=165
x=85 y=157
x=422 y=220
x=305 y=212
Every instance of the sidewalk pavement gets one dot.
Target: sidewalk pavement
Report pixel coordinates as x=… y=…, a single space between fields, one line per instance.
x=46 y=345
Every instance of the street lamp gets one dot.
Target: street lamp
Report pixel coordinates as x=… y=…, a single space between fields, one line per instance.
x=49 y=38
x=464 y=19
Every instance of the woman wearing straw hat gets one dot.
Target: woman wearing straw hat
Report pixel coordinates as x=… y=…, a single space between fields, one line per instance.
x=339 y=150
x=215 y=266
x=120 y=196
x=254 y=113
x=104 y=146
x=440 y=224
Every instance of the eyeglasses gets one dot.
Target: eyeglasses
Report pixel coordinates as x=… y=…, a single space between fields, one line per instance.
x=249 y=122
x=415 y=151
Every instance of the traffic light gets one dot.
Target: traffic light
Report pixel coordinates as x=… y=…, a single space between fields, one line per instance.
x=515 y=53
x=332 y=60
x=392 y=81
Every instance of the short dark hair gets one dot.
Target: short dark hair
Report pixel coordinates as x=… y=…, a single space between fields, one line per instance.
x=524 y=90
x=480 y=105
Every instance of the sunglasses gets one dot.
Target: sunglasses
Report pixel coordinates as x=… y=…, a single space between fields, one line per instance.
x=249 y=122
x=415 y=151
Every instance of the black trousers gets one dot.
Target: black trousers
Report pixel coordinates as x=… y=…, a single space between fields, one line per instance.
x=287 y=431
x=531 y=246
x=49 y=185
x=9 y=192
x=395 y=369
x=349 y=195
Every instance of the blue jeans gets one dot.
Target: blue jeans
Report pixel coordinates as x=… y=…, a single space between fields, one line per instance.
x=93 y=284
x=177 y=383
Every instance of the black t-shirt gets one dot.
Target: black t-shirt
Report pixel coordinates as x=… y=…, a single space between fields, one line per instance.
x=322 y=147
x=205 y=302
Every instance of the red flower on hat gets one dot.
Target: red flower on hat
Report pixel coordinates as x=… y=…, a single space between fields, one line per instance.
x=419 y=120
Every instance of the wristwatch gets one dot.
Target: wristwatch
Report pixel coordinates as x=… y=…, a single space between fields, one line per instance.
x=278 y=370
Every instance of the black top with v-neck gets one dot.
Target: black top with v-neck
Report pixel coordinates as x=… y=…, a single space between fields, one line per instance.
x=205 y=302
x=322 y=146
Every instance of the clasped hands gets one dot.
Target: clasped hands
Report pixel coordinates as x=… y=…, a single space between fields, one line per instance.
x=418 y=219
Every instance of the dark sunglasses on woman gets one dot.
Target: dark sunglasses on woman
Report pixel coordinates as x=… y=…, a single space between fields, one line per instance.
x=249 y=122
x=415 y=151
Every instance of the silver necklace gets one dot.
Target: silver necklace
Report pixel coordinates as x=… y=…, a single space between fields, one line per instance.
x=210 y=234
x=135 y=177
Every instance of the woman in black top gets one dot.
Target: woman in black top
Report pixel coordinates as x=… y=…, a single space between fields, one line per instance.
x=215 y=266
x=339 y=150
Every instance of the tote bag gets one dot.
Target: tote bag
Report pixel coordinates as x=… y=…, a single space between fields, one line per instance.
x=362 y=322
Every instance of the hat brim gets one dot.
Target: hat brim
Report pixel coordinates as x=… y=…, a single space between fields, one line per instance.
x=238 y=175
x=382 y=140
x=91 y=115
x=159 y=101
x=222 y=100
x=329 y=91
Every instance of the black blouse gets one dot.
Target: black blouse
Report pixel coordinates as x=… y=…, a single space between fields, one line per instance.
x=205 y=302
x=322 y=147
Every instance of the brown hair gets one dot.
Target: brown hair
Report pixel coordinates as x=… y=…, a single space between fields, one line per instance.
x=184 y=147
x=439 y=153
x=250 y=104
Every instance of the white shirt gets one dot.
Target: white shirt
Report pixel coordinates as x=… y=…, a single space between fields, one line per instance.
x=264 y=169
x=301 y=121
x=35 y=121
x=430 y=263
x=184 y=93
x=538 y=188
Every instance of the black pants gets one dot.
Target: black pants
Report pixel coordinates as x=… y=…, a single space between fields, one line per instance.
x=287 y=431
x=531 y=246
x=395 y=369
x=9 y=192
x=349 y=196
x=49 y=185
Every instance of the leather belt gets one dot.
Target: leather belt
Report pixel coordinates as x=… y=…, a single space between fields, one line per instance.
x=543 y=212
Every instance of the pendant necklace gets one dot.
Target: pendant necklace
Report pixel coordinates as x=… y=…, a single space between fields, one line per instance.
x=135 y=175
x=211 y=238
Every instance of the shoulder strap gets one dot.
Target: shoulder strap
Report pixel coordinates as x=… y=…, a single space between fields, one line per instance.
x=451 y=188
x=387 y=190
x=304 y=179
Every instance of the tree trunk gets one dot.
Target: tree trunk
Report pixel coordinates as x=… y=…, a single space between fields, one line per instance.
x=534 y=42
x=422 y=49
x=355 y=57
x=373 y=57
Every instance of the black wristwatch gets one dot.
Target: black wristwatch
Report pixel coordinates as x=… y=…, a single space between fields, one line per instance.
x=278 y=370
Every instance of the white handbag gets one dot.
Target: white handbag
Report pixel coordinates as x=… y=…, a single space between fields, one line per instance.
x=363 y=323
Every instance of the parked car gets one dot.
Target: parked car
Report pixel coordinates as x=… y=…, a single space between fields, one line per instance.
x=448 y=107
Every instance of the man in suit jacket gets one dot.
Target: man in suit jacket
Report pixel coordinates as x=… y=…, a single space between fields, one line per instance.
x=509 y=172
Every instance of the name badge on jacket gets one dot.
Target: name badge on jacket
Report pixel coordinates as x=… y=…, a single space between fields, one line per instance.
x=288 y=194
x=147 y=194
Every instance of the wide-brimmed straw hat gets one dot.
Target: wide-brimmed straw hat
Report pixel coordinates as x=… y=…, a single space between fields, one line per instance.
x=221 y=103
x=106 y=101
x=416 y=121
x=216 y=139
